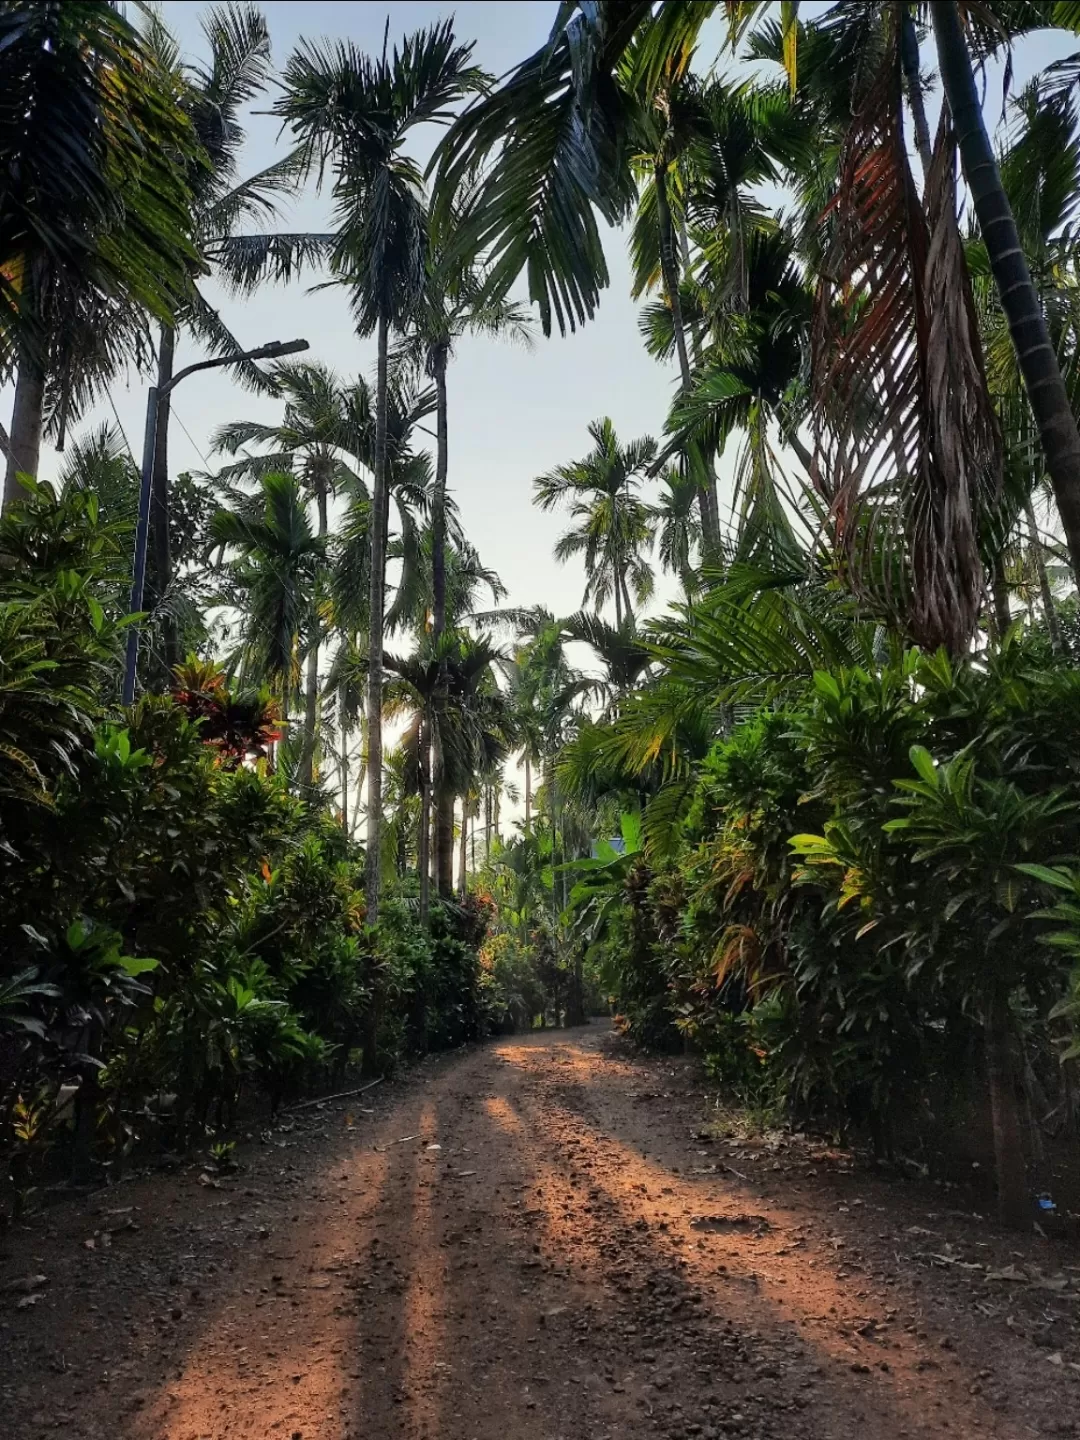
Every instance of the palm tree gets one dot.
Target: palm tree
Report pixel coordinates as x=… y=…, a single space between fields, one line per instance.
x=1019 y=297
x=613 y=525
x=676 y=526
x=317 y=438
x=453 y=304
x=448 y=691
x=326 y=438
x=619 y=649
x=274 y=576
x=212 y=96
x=356 y=114
x=347 y=682
x=95 y=228
x=100 y=462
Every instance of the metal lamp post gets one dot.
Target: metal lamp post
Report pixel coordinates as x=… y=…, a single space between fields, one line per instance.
x=272 y=351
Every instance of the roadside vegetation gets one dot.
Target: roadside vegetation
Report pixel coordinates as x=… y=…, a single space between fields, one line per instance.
x=819 y=820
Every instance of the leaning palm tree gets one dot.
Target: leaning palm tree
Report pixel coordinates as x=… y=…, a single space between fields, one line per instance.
x=354 y=115
x=612 y=525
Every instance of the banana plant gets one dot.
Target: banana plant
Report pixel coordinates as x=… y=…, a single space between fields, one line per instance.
x=601 y=880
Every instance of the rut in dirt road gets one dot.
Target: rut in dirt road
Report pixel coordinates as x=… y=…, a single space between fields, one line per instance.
x=530 y=1244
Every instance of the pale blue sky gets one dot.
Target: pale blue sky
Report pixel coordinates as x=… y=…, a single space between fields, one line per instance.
x=513 y=414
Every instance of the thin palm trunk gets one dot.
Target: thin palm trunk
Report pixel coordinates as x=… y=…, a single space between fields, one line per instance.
x=444 y=843
x=1038 y=559
x=361 y=777
x=438 y=502
x=1035 y=354
x=528 y=792
x=618 y=602
x=311 y=689
x=27 y=419
x=909 y=54
x=375 y=634
x=160 y=546
x=343 y=762
x=710 y=532
x=311 y=716
x=628 y=609
x=463 y=848
x=423 y=859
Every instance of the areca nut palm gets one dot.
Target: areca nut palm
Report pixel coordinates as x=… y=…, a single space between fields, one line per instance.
x=316 y=440
x=454 y=303
x=354 y=115
x=95 y=214
x=1020 y=299
x=612 y=524
x=224 y=205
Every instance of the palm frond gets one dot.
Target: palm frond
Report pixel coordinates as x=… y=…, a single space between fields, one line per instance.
x=908 y=452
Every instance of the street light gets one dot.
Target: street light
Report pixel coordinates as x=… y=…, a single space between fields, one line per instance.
x=272 y=351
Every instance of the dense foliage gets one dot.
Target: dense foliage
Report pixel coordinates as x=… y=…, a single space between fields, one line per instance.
x=818 y=821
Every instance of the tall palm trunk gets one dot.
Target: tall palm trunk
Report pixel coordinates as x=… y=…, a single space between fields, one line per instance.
x=1038 y=559
x=628 y=609
x=311 y=686
x=438 y=499
x=909 y=59
x=375 y=634
x=423 y=859
x=160 y=547
x=27 y=419
x=710 y=529
x=618 y=602
x=444 y=843
x=444 y=803
x=343 y=762
x=1013 y=1205
x=1035 y=354
x=463 y=849
x=999 y=589
x=528 y=792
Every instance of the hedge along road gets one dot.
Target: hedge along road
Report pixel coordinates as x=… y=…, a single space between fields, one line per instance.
x=541 y=1239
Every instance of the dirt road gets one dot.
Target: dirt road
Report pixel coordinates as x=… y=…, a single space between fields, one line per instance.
x=535 y=1240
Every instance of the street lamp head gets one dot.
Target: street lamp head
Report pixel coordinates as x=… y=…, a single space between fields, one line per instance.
x=278 y=347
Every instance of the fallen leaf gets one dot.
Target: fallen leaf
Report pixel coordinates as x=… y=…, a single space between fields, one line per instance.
x=1010 y=1273
x=24 y=1284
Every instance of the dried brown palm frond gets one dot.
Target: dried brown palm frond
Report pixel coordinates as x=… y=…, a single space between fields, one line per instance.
x=908 y=452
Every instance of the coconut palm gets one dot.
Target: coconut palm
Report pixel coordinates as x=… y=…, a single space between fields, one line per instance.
x=95 y=225
x=354 y=115
x=613 y=525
